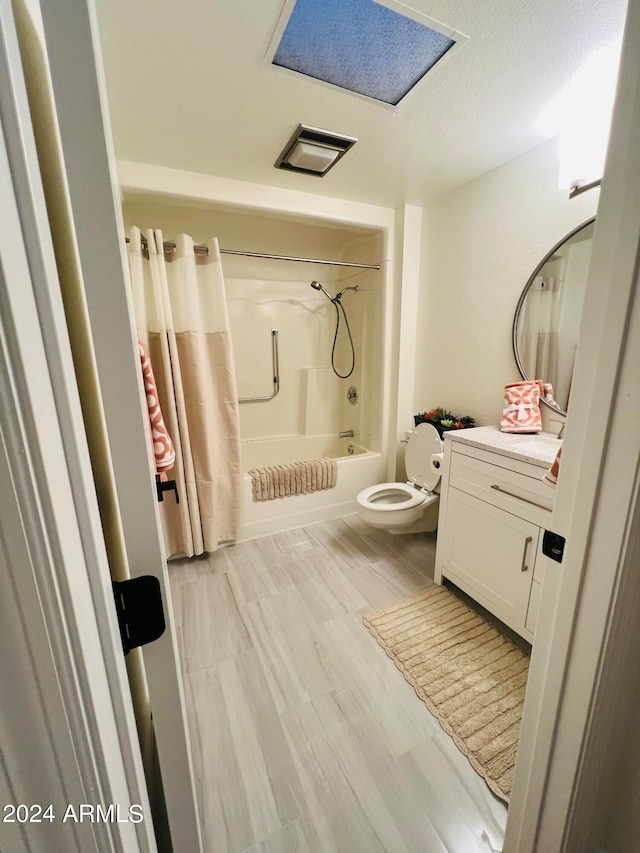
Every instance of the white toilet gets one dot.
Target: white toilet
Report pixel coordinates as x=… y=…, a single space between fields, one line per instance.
x=409 y=507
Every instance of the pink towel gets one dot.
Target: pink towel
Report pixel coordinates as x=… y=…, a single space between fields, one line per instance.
x=547 y=388
x=521 y=411
x=163 y=451
x=551 y=477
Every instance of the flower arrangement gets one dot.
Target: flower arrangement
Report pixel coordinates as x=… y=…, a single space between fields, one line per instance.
x=443 y=420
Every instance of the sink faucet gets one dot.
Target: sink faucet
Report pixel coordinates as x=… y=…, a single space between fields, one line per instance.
x=346 y=433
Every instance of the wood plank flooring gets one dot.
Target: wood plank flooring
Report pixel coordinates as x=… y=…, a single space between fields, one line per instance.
x=306 y=738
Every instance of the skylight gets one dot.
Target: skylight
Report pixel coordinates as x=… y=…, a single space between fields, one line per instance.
x=362 y=46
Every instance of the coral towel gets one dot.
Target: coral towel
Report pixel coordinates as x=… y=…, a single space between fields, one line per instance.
x=163 y=451
x=551 y=477
x=521 y=411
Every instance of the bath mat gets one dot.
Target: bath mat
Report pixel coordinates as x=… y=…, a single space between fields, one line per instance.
x=468 y=674
x=296 y=478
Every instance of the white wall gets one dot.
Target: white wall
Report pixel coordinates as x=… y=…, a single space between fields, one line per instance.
x=480 y=245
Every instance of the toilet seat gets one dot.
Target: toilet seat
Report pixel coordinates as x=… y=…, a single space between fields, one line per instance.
x=400 y=507
x=391 y=497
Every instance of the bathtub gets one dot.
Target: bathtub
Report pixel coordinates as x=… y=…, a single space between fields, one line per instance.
x=357 y=469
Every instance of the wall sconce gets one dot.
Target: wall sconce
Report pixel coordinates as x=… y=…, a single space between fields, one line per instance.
x=579 y=187
x=580 y=116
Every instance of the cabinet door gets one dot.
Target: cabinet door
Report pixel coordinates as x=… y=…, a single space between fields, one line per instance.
x=490 y=554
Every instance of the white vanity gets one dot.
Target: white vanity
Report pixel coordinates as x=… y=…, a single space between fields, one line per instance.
x=494 y=508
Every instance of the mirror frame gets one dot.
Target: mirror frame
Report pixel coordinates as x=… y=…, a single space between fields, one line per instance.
x=528 y=285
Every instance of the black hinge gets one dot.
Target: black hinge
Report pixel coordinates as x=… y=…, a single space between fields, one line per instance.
x=140 y=611
x=553 y=545
x=163 y=486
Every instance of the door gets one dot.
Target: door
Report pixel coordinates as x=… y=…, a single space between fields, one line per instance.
x=490 y=554
x=72 y=139
x=67 y=730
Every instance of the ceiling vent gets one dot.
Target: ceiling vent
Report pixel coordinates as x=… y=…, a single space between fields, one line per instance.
x=378 y=50
x=313 y=151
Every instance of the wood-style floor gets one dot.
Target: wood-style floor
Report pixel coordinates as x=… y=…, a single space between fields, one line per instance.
x=306 y=738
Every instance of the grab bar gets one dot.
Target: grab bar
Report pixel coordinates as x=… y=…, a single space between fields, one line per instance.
x=275 y=361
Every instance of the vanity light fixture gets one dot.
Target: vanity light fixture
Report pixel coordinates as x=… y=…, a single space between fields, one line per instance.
x=313 y=151
x=580 y=116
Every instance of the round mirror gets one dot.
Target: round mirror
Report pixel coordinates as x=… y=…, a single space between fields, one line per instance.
x=547 y=319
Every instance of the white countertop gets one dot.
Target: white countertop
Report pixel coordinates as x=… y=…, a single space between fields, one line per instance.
x=539 y=449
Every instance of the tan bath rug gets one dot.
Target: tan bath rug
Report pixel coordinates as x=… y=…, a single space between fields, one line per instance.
x=468 y=674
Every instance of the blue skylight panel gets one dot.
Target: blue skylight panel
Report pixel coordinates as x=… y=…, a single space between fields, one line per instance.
x=360 y=46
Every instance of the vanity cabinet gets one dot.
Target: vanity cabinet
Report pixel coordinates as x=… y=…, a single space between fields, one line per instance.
x=493 y=511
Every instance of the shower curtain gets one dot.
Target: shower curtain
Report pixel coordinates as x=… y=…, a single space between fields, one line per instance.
x=538 y=334
x=181 y=315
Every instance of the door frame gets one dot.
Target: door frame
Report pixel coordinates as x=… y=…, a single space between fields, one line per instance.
x=62 y=61
x=75 y=64
x=582 y=638
x=75 y=741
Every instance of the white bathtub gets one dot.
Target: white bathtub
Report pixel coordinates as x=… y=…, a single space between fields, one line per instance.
x=356 y=471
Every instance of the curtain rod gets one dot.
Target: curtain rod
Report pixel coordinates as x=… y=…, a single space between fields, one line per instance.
x=203 y=250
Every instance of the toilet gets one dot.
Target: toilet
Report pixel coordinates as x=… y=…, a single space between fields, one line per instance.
x=409 y=507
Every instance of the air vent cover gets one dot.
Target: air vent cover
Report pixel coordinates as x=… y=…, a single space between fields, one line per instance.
x=379 y=50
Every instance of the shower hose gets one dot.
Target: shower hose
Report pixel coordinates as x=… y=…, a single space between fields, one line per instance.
x=338 y=304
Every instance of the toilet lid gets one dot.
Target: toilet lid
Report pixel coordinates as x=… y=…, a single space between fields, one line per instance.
x=424 y=442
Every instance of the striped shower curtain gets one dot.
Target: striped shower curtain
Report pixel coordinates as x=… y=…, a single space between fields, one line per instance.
x=181 y=315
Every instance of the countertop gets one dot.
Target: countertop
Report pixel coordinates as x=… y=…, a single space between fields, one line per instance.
x=539 y=449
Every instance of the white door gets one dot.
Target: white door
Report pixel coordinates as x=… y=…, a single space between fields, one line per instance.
x=67 y=730
x=63 y=71
x=62 y=743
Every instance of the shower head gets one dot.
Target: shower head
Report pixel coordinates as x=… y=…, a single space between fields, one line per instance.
x=339 y=295
x=317 y=286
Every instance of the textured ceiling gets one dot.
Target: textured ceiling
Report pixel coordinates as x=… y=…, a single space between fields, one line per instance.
x=189 y=88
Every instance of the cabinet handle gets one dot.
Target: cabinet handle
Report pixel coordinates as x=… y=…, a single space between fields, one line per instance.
x=518 y=497
x=524 y=567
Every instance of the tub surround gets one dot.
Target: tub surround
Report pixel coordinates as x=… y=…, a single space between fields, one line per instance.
x=357 y=468
x=494 y=507
x=313 y=405
x=286 y=449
